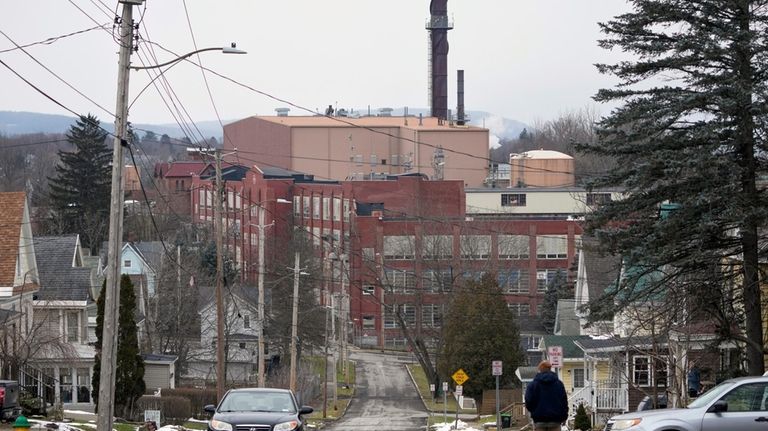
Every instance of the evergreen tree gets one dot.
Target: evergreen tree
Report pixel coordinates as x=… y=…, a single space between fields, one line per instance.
x=690 y=134
x=80 y=191
x=129 y=372
x=478 y=329
x=556 y=289
x=581 y=420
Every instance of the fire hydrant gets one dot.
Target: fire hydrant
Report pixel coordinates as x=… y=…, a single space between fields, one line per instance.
x=21 y=424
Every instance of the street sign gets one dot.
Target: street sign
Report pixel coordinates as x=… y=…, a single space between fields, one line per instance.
x=555 y=354
x=460 y=377
x=496 y=365
x=459 y=390
x=432 y=387
x=445 y=386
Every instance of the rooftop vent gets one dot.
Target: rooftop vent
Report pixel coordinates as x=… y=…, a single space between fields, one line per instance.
x=385 y=112
x=282 y=112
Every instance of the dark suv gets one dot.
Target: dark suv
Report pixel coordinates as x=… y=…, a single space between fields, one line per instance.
x=257 y=409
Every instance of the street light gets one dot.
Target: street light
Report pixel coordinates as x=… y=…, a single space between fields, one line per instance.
x=112 y=292
x=224 y=50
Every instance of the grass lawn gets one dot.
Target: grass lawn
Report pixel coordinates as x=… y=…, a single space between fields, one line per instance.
x=426 y=395
x=196 y=425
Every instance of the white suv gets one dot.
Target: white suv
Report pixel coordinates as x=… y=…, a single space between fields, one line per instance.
x=737 y=404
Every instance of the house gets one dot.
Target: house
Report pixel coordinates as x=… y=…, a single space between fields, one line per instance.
x=19 y=282
x=596 y=273
x=62 y=367
x=241 y=323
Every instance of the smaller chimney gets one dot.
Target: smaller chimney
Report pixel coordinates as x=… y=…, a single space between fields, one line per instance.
x=460 y=117
x=282 y=112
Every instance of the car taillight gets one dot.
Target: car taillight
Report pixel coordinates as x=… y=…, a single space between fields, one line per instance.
x=2 y=396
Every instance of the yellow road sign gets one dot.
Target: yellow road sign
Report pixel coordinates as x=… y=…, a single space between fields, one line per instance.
x=460 y=377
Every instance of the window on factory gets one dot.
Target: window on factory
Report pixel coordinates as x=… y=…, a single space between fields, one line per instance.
x=513 y=199
x=394 y=160
x=306 y=206
x=336 y=209
x=347 y=208
x=374 y=160
x=369 y=322
x=399 y=281
x=432 y=315
x=520 y=309
x=513 y=246
x=437 y=281
x=475 y=247
x=551 y=247
x=436 y=247
x=545 y=277
x=316 y=207
x=296 y=206
x=513 y=280
x=399 y=247
x=358 y=159
x=369 y=289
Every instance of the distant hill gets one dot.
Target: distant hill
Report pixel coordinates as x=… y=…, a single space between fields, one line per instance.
x=19 y=123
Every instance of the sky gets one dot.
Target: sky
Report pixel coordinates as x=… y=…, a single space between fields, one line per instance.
x=527 y=60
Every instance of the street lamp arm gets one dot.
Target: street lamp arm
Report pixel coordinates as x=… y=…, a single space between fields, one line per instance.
x=225 y=50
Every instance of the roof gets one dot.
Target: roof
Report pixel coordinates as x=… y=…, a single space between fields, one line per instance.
x=570 y=350
x=156 y=357
x=566 y=322
x=11 y=215
x=526 y=374
x=602 y=270
x=531 y=325
x=184 y=169
x=260 y=390
x=541 y=154
x=427 y=123
x=615 y=343
x=60 y=279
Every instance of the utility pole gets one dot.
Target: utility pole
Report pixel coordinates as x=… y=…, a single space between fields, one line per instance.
x=262 y=319
x=112 y=291
x=295 y=320
x=334 y=376
x=221 y=378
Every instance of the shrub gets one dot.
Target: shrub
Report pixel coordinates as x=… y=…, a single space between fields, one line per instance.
x=581 y=421
x=198 y=397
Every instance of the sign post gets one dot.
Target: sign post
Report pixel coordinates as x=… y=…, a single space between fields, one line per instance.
x=496 y=368
x=445 y=402
x=460 y=377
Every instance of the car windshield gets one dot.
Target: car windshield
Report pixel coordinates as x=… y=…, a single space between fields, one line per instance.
x=252 y=401
x=711 y=395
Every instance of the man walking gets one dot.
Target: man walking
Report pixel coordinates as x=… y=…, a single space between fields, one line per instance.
x=546 y=400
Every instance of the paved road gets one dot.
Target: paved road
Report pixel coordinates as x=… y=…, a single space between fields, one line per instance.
x=385 y=399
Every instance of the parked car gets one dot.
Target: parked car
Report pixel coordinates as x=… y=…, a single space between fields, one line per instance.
x=647 y=403
x=736 y=404
x=257 y=409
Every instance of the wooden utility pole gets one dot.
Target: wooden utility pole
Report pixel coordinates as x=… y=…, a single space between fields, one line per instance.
x=295 y=320
x=221 y=378
x=112 y=291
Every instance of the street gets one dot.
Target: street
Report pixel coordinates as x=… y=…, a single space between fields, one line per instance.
x=385 y=399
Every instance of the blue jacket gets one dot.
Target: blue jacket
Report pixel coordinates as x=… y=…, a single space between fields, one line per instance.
x=545 y=398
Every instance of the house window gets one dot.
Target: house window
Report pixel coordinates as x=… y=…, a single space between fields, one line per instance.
x=513 y=199
x=513 y=280
x=641 y=370
x=241 y=345
x=127 y=264
x=73 y=326
x=578 y=377
x=247 y=321
x=369 y=322
x=83 y=385
x=65 y=384
x=597 y=199
x=369 y=290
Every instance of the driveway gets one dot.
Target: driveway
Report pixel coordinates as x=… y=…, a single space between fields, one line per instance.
x=385 y=399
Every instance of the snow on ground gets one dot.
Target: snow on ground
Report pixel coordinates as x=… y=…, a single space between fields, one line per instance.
x=448 y=426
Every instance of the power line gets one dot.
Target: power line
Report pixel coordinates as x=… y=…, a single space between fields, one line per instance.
x=54 y=39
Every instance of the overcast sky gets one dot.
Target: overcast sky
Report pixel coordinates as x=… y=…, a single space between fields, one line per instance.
x=527 y=60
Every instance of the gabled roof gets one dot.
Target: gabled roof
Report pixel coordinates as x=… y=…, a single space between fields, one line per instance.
x=183 y=169
x=566 y=322
x=58 y=265
x=570 y=350
x=617 y=344
x=11 y=214
x=602 y=270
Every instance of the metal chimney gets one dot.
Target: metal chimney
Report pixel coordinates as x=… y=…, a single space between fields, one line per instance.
x=438 y=26
x=460 y=117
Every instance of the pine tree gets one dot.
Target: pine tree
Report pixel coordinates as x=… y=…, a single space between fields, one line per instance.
x=129 y=372
x=581 y=421
x=478 y=329
x=689 y=134
x=80 y=191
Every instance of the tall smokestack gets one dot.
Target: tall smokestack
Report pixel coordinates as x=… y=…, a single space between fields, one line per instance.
x=460 y=119
x=438 y=27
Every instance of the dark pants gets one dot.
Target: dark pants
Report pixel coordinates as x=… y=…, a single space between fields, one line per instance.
x=546 y=426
